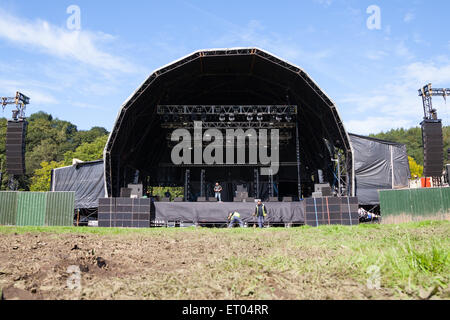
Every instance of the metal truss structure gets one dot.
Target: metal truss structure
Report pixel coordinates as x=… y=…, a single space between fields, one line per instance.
x=231 y=125
x=217 y=110
x=427 y=92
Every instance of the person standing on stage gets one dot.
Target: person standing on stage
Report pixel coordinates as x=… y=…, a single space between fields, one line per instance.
x=218 y=192
x=260 y=213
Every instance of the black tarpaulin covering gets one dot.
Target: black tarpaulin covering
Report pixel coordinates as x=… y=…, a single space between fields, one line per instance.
x=86 y=179
x=378 y=165
x=278 y=212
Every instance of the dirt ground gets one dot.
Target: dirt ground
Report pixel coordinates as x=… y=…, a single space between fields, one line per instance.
x=185 y=264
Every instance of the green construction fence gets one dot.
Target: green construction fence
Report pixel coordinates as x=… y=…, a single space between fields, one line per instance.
x=415 y=204
x=37 y=208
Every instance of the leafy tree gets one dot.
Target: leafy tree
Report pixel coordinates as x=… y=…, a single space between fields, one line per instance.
x=42 y=176
x=412 y=138
x=87 y=151
x=175 y=192
x=416 y=169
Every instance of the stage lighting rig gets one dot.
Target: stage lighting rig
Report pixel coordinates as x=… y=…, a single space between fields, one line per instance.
x=20 y=101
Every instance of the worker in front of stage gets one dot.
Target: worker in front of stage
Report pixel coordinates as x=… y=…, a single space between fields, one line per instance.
x=218 y=192
x=260 y=213
x=235 y=217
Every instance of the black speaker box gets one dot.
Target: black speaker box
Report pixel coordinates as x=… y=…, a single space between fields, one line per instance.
x=15 y=147
x=433 y=145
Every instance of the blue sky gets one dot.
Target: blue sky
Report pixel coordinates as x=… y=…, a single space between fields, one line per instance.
x=84 y=76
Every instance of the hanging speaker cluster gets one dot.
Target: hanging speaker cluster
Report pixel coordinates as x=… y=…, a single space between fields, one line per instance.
x=433 y=148
x=15 y=147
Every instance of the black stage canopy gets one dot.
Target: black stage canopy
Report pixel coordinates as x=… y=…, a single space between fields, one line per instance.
x=138 y=149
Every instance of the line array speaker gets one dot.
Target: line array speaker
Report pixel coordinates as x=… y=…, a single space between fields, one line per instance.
x=15 y=147
x=433 y=148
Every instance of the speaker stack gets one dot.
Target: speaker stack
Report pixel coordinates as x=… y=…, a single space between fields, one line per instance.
x=15 y=147
x=433 y=145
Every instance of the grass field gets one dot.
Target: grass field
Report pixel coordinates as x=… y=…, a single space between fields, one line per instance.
x=407 y=261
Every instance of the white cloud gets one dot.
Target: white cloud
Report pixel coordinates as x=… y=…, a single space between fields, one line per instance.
x=375 y=125
x=409 y=17
x=402 y=50
x=397 y=104
x=31 y=89
x=325 y=3
x=81 y=46
x=376 y=55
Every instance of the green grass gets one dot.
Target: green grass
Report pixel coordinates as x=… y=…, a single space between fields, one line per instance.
x=301 y=262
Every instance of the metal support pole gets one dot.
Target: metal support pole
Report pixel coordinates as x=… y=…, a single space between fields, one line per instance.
x=297 y=149
x=256 y=183
x=202 y=183
x=270 y=183
x=187 y=183
x=339 y=175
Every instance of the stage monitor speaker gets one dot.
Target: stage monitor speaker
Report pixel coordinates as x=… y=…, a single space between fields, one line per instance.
x=433 y=148
x=15 y=147
x=125 y=192
x=136 y=190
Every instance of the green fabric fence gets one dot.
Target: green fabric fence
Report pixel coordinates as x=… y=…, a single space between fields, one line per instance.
x=415 y=205
x=37 y=208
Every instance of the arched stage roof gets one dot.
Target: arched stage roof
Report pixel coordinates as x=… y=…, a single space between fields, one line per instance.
x=240 y=76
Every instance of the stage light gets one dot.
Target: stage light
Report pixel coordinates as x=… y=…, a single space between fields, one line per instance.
x=260 y=117
x=231 y=117
x=250 y=117
x=288 y=118
x=279 y=117
x=222 y=117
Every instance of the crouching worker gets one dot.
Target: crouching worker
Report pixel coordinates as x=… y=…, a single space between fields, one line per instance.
x=235 y=217
x=260 y=213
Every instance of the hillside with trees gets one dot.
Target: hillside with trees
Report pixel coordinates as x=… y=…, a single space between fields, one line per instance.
x=53 y=143
x=412 y=138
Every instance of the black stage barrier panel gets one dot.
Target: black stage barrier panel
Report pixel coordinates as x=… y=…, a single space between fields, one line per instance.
x=124 y=213
x=329 y=211
x=206 y=212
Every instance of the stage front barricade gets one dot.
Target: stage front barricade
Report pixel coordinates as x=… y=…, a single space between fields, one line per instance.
x=206 y=212
x=141 y=213
x=332 y=211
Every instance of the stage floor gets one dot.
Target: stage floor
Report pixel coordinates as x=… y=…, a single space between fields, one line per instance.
x=217 y=212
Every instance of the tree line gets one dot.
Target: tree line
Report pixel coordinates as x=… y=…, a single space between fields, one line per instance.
x=412 y=138
x=53 y=143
